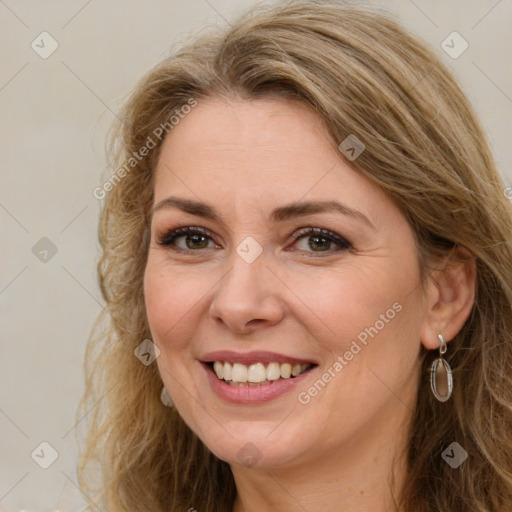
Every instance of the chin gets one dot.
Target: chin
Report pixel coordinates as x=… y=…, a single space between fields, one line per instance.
x=256 y=444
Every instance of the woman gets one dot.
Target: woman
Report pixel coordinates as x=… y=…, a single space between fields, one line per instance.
x=306 y=262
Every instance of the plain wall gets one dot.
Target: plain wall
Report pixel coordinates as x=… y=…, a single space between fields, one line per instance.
x=54 y=116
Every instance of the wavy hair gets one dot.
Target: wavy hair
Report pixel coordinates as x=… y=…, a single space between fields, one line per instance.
x=364 y=75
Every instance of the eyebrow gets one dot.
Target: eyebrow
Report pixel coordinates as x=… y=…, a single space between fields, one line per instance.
x=279 y=214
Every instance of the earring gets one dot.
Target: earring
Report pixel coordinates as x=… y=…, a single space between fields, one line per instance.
x=441 y=378
x=165 y=398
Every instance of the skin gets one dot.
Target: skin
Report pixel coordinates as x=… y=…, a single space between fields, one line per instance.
x=245 y=158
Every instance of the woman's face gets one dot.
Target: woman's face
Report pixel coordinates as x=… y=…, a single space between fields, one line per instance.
x=293 y=262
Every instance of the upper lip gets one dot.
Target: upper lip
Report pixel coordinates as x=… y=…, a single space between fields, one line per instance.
x=248 y=358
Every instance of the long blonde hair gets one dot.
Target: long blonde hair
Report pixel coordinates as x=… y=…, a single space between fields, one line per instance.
x=365 y=76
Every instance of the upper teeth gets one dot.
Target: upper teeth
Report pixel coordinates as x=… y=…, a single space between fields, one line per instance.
x=257 y=372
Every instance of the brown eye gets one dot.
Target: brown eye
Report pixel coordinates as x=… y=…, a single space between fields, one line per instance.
x=187 y=238
x=319 y=240
x=194 y=241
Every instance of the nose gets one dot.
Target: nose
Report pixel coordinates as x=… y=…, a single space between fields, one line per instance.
x=247 y=298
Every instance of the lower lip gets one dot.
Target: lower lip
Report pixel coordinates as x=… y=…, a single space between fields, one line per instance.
x=253 y=394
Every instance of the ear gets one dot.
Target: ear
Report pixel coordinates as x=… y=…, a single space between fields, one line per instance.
x=449 y=298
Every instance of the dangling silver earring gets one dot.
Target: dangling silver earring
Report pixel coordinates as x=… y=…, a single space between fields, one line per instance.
x=165 y=398
x=441 y=378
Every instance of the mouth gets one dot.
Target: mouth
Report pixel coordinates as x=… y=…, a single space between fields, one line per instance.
x=255 y=368
x=256 y=374
x=255 y=377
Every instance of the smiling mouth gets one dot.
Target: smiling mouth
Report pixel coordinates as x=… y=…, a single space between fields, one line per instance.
x=257 y=374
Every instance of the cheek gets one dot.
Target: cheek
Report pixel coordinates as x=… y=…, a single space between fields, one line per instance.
x=344 y=302
x=370 y=311
x=171 y=298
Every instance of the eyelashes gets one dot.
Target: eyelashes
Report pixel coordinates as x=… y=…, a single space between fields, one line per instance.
x=321 y=235
x=196 y=239
x=196 y=233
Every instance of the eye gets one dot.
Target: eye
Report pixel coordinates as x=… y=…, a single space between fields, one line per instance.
x=308 y=239
x=319 y=240
x=187 y=238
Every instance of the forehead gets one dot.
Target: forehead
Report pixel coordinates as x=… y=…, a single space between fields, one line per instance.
x=260 y=151
x=241 y=120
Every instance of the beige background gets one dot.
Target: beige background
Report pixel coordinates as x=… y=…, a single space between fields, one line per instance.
x=54 y=116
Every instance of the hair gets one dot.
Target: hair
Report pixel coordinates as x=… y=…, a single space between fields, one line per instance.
x=364 y=75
